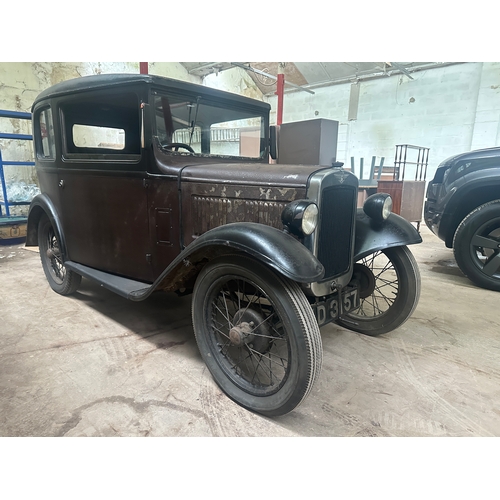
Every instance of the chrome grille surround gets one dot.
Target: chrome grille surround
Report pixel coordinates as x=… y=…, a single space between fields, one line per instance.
x=335 y=192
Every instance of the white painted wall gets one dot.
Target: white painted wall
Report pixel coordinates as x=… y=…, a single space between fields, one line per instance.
x=450 y=110
x=235 y=80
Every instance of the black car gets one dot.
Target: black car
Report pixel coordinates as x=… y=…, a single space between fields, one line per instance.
x=150 y=184
x=463 y=209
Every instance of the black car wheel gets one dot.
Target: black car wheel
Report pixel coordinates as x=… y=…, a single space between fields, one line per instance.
x=61 y=280
x=389 y=283
x=257 y=334
x=477 y=246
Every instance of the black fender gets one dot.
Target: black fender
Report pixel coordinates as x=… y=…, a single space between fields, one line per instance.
x=270 y=246
x=465 y=198
x=372 y=236
x=267 y=244
x=41 y=204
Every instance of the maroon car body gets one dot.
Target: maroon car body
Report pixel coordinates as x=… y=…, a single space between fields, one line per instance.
x=152 y=184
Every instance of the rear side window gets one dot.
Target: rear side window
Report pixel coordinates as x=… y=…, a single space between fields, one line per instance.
x=88 y=136
x=44 y=135
x=102 y=125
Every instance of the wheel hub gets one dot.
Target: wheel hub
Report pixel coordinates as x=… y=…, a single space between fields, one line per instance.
x=366 y=279
x=241 y=333
x=250 y=329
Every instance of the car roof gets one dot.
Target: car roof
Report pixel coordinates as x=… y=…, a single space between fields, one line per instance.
x=94 y=82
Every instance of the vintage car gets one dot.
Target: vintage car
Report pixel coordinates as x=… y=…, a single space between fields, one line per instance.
x=463 y=209
x=151 y=184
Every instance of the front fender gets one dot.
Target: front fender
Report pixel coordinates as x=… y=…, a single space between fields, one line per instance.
x=473 y=192
x=372 y=236
x=41 y=204
x=267 y=244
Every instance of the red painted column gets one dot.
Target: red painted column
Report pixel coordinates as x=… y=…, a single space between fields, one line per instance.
x=280 y=90
x=143 y=68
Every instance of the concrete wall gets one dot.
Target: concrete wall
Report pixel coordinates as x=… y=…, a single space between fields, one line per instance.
x=450 y=110
x=234 y=80
x=486 y=130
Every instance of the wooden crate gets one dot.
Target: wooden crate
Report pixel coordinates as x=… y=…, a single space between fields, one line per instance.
x=12 y=230
x=407 y=198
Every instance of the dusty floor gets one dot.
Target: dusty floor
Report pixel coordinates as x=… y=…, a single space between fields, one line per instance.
x=95 y=364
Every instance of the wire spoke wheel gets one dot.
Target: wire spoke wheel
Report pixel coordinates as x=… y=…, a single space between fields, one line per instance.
x=249 y=333
x=61 y=280
x=257 y=334
x=389 y=283
x=385 y=286
x=53 y=253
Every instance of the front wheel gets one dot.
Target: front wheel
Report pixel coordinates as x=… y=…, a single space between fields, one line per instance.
x=61 y=280
x=476 y=246
x=389 y=283
x=257 y=334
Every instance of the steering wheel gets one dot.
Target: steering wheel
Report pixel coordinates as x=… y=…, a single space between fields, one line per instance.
x=174 y=146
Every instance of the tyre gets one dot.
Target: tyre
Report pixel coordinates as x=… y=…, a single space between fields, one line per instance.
x=257 y=334
x=389 y=283
x=476 y=246
x=61 y=280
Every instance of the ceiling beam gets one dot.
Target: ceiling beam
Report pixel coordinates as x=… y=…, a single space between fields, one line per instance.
x=369 y=76
x=259 y=72
x=402 y=69
x=204 y=66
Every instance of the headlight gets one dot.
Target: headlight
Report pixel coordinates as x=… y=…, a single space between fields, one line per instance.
x=378 y=206
x=300 y=217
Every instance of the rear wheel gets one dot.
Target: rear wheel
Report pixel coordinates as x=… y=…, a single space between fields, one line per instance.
x=476 y=246
x=389 y=283
x=257 y=334
x=61 y=280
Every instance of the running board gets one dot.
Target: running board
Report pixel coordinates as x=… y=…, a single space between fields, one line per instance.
x=130 y=289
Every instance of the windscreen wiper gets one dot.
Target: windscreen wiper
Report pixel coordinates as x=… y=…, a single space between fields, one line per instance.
x=193 y=123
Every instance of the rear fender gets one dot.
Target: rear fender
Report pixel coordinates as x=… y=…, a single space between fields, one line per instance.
x=372 y=236
x=41 y=204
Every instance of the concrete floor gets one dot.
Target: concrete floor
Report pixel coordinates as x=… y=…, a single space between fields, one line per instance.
x=95 y=364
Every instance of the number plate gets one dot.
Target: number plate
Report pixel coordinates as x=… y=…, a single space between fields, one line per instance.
x=328 y=310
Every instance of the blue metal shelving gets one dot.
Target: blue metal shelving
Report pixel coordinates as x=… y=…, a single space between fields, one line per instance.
x=21 y=137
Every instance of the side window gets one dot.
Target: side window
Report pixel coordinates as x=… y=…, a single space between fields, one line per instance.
x=44 y=138
x=106 y=125
x=88 y=136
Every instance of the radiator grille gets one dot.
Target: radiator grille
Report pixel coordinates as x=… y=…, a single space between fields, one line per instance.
x=210 y=212
x=336 y=229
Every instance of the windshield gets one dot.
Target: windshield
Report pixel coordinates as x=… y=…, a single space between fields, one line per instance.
x=193 y=126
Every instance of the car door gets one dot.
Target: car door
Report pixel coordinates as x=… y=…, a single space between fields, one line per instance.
x=102 y=184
